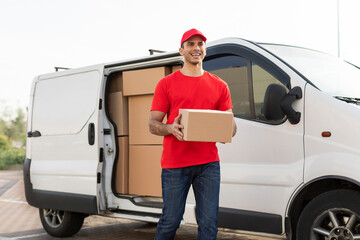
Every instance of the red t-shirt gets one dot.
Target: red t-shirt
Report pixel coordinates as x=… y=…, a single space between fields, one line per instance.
x=177 y=91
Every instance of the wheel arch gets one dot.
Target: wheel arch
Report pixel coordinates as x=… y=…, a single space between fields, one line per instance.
x=309 y=191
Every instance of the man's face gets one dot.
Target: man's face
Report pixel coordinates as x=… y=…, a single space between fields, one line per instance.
x=193 y=50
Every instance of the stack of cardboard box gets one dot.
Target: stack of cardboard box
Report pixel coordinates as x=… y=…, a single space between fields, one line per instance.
x=138 y=169
x=144 y=148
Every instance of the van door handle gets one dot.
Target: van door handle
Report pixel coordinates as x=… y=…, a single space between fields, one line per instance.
x=91 y=133
x=33 y=134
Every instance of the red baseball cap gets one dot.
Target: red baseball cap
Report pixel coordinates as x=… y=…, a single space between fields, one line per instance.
x=190 y=33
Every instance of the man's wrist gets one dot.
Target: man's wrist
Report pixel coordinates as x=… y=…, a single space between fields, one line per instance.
x=168 y=128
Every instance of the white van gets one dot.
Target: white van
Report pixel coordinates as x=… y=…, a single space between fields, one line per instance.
x=292 y=170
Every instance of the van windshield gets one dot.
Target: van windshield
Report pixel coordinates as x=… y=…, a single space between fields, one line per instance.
x=328 y=73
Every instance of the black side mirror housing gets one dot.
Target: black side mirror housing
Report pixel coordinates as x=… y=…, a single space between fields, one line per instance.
x=277 y=103
x=273 y=96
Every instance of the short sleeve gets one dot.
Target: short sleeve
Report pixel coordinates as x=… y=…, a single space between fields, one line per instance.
x=160 y=101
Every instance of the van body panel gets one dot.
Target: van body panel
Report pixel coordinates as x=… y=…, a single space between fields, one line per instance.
x=65 y=110
x=266 y=174
x=339 y=154
x=56 y=200
x=54 y=103
x=250 y=221
x=29 y=118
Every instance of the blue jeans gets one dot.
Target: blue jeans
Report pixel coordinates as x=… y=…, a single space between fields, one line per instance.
x=176 y=183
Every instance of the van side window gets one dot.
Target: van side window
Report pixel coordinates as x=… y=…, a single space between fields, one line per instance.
x=247 y=82
x=261 y=79
x=233 y=70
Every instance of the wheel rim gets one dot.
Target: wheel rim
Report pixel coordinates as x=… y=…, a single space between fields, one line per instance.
x=336 y=224
x=53 y=218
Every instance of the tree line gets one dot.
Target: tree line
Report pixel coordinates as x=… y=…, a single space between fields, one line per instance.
x=12 y=139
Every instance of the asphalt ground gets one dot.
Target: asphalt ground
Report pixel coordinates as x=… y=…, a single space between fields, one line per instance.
x=18 y=220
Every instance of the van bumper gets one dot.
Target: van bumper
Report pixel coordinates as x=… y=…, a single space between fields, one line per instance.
x=69 y=202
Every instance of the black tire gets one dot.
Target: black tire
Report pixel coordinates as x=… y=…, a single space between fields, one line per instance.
x=61 y=223
x=333 y=215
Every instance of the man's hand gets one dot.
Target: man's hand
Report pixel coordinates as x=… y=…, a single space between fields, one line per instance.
x=158 y=128
x=176 y=128
x=234 y=128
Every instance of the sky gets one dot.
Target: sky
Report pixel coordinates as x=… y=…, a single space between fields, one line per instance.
x=38 y=35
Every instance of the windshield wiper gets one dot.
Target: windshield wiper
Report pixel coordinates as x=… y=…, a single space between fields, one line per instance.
x=349 y=99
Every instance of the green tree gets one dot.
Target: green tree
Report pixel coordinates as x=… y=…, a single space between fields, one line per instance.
x=4 y=142
x=17 y=129
x=3 y=126
x=12 y=129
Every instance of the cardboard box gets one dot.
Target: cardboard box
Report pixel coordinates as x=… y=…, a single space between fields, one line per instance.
x=115 y=83
x=122 y=166
x=118 y=111
x=143 y=81
x=139 y=113
x=145 y=170
x=206 y=125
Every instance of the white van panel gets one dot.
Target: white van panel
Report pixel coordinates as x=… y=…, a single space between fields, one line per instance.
x=55 y=111
x=64 y=164
x=262 y=166
x=339 y=154
x=64 y=105
x=29 y=118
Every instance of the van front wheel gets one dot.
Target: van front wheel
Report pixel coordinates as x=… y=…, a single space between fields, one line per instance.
x=60 y=223
x=333 y=215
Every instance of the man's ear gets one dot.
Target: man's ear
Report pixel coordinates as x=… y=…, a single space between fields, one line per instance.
x=181 y=51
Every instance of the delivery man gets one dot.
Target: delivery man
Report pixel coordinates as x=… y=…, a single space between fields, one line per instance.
x=188 y=163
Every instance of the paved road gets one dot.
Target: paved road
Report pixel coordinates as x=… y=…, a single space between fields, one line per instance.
x=18 y=220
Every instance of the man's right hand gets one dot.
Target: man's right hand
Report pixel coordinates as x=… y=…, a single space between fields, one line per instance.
x=176 y=128
x=158 y=128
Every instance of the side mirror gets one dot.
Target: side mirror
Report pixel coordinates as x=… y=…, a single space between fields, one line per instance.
x=277 y=103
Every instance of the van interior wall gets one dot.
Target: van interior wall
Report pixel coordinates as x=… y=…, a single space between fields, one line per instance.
x=117 y=109
x=129 y=96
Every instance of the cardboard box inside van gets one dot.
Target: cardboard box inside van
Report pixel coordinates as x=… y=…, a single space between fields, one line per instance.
x=143 y=81
x=115 y=82
x=139 y=112
x=118 y=111
x=122 y=166
x=145 y=170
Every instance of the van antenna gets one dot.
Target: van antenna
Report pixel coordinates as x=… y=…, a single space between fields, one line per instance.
x=60 y=68
x=152 y=51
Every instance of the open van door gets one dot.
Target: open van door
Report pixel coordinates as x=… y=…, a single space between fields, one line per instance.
x=63 y=165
